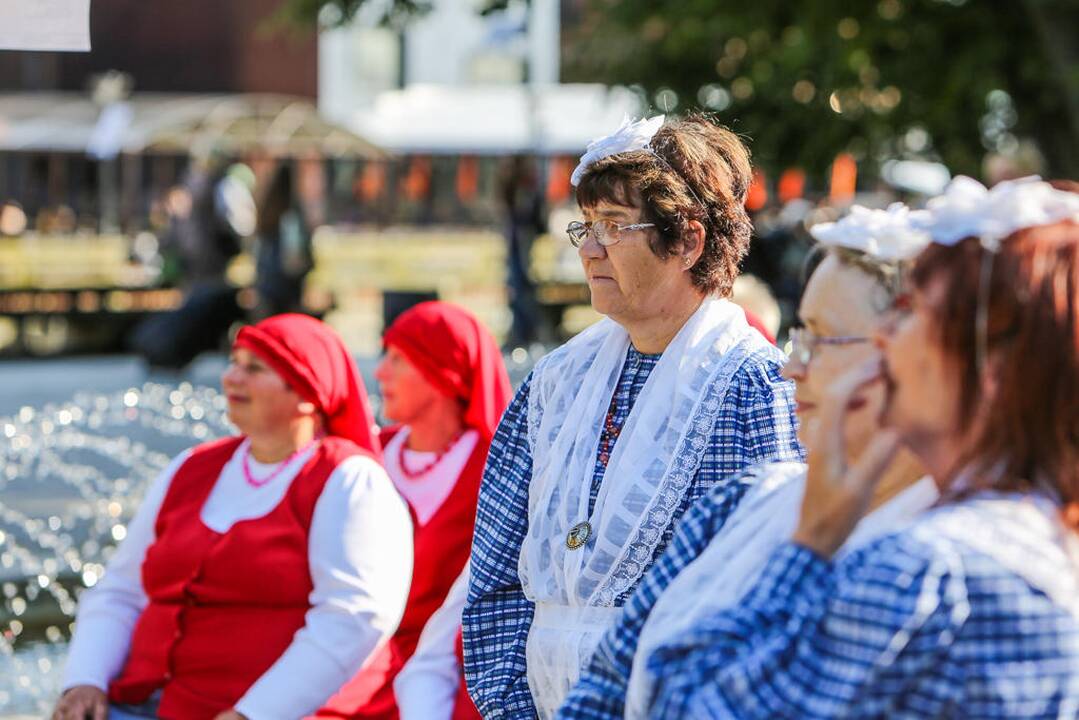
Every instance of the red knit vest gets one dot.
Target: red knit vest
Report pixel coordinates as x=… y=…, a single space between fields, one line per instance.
x=222 y=607
x=441 y=549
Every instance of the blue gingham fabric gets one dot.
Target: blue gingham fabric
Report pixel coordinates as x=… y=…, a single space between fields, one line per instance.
x=756 y=422
x=601 y=690
x=908 y=627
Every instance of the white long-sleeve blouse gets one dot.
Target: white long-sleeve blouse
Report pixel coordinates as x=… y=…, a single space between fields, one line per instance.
x=360 y=557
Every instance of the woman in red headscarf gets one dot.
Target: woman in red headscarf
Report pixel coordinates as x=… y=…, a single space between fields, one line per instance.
x=262 y=570
x=444 y=383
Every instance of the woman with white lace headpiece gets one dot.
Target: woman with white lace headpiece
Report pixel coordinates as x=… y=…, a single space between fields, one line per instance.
x=712 y=560
x=616 y=433
x=971 y=609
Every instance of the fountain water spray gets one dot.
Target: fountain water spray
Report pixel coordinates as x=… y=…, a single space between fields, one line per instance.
x=71 y=477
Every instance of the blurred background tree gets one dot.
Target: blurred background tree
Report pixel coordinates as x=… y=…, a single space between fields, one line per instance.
x=893 y=78
x=948 y=80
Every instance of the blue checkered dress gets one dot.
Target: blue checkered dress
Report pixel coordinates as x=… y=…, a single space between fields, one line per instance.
x=910 y=626
x=755 y=423
x=601 y=690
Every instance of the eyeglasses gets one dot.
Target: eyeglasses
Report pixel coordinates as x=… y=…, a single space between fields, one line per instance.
x=605 y=232
x=804 y=343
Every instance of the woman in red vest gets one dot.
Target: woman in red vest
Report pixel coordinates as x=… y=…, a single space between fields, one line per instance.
x=443 y=381
x=431 y=685
x=261 y=571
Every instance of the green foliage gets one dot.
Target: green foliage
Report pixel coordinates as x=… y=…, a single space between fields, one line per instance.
x=778 y=71
x=393 y=13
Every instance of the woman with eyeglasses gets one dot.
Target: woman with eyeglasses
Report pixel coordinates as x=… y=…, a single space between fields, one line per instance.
x=716 y=553
x=970 y=610
x=616 y=433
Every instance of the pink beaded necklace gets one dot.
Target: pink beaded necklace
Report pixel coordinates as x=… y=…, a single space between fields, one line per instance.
x=416 y=474
x=259 y=482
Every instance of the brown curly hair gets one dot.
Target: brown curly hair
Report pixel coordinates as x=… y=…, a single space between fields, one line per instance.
x=696 y=170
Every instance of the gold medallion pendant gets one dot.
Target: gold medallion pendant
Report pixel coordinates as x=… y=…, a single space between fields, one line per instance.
x=578 y=535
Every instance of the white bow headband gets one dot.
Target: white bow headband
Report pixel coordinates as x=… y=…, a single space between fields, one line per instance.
x=967 y=208
x=630 y=136
x=885 y=234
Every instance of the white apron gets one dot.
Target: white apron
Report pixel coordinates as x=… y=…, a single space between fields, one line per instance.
x=575 y=589
x=733 y=561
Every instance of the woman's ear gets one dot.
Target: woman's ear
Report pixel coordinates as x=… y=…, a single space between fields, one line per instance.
x=692 y=243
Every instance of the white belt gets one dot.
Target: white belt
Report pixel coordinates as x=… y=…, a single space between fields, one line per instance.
x=555 y=616
x=560 y=642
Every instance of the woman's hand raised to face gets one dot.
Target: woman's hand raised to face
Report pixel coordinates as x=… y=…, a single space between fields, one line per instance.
x=82 y=702
x=837 y=495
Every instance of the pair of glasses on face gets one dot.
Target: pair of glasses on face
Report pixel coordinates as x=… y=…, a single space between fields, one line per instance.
x=804 y=343
x=604 y=232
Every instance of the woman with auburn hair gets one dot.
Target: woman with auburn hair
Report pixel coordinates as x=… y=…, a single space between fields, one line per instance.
x=973 y=609
x=262 y=570
x=445 y=386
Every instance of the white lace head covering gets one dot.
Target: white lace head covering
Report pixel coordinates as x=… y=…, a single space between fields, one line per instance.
x=631 y=135
x=969 y=209
x=888 y=235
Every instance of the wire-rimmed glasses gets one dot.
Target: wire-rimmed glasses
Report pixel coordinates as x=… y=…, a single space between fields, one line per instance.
x=604 y=232
x=804 y=342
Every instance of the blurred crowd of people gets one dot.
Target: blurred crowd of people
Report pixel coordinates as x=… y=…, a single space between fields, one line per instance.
x=209 y=219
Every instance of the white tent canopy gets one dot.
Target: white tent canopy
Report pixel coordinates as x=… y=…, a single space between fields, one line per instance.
x=176 y=123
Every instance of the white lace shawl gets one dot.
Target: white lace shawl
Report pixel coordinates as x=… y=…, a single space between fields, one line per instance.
x=653 y=463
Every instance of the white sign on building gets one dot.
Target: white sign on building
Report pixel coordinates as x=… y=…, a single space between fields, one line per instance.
x=457 y=82
x=56 y=25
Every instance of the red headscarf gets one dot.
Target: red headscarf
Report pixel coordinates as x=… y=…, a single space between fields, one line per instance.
x=313 y=360
x=455 y=353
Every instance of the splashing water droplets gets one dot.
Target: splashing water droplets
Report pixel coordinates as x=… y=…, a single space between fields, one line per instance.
x=72 y=475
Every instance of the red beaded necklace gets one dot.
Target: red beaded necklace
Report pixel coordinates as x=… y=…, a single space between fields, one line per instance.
x=416 y=474
x=259 y=482
x=610 y=435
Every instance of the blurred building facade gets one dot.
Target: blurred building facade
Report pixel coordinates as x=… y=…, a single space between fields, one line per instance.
x=197 y=46
x=452 y=45
x=455 y=82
